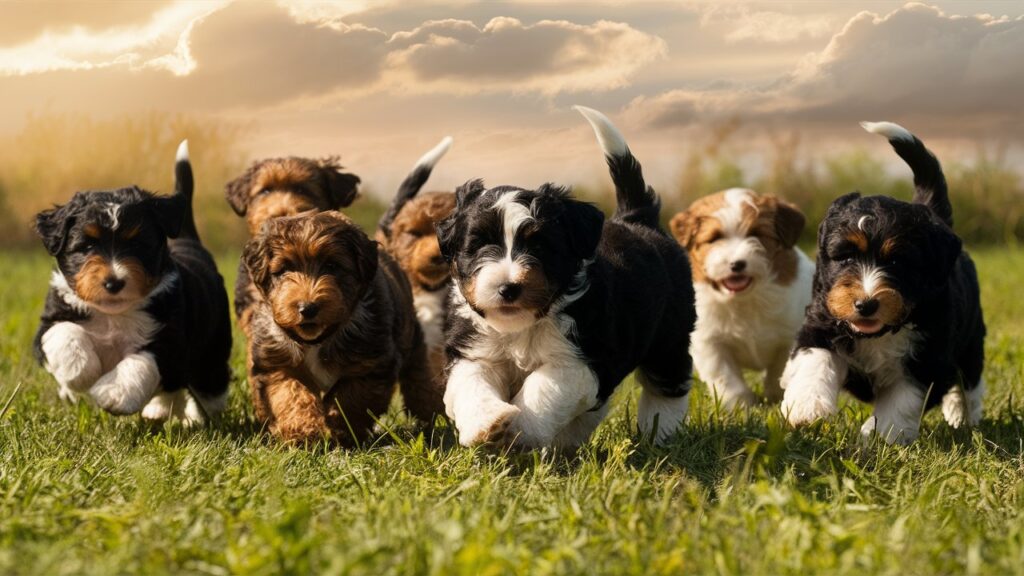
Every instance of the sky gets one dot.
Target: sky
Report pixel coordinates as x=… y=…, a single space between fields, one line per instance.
x=379 y=82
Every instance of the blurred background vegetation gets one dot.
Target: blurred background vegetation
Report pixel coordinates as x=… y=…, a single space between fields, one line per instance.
x=55 y=155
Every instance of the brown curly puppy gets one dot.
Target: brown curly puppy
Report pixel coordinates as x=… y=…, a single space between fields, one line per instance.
x=284 y=187
x=332 y=332
x=406 y=231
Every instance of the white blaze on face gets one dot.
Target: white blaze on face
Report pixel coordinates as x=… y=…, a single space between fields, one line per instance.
x=735 y=244
x=495 y=272
x=871 y=278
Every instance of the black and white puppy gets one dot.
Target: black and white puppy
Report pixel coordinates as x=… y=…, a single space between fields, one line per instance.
x=133 y=319
x=896 y=314
x=553 y=307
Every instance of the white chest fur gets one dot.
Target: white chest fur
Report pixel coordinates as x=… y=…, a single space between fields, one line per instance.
x=326 y=376
x=115 y=336
x=755 y=326
x=430 y=312
x=882 y=358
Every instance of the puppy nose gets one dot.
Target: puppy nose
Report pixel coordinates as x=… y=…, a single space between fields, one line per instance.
x=738 y=266
x=509 y=292
x=866 y=307
x=309 y=310
x=113 y=284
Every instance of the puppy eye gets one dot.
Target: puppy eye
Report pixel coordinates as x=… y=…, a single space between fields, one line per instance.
x=263 y=191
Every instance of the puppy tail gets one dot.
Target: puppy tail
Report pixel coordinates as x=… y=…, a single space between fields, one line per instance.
x=929 y=181
x=637 y=203
x=413 y=182
x=184 y=186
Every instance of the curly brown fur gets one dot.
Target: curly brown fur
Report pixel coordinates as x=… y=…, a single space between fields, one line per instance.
x=333 y=330
x=284 y=187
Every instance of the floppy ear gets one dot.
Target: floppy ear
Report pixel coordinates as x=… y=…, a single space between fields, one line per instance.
x=169 y=212
x=237 y=191
x=53 y=226
x=448 y=236
x=832 y=212
x=945 y=248
x=256 y=258
x=366 y=257
x=789 y=222
x=683 y=227
x=468 y=192
x=584 y=222
x=342 y=188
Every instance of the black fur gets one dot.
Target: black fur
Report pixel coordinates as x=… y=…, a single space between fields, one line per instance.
x=927 y=267
x=637 y=310
x=407 y=190
x=193 y=342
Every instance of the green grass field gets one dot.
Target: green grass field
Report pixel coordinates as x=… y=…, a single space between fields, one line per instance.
x=84 y=492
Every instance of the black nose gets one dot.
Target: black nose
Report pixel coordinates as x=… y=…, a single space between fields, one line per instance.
x=738 y=266
x=866 y=307
x=309 y=310
x=113 y=285
x=509 y=292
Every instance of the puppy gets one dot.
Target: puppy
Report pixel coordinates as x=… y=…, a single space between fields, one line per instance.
x=134 y=320
x=552 y=307
x=406 y=231
x=333 y=329
x=284 y=187
x=896 y=314
x=752 y=286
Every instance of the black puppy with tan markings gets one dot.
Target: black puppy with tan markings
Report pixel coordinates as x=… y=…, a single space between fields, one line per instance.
x=332 y=331
x=896 y=315
x=137 y=315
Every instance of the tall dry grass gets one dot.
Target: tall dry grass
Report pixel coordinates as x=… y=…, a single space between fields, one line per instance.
x=55 y=155
x=986 y=192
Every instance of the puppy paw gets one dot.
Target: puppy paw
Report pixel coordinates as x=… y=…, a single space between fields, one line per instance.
x=890 y=432
x=159 y=409
x=192 y=414
x=739 y=400
x=805 y=409
x=493 y=426
x=67 y=394
x=128 y=387
x=70 y=357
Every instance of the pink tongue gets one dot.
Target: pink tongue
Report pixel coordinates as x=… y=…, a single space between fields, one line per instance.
x=867 y=326
x=736 y=283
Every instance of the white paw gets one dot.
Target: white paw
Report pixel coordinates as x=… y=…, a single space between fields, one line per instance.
x=192 y=414
x=737 y=399
x=667 y=414
x=801 y=409
x=890 y=431
x=954 y=407
x=67 y=394
x=160 y=407
x=70 y=356
x=490 y=425
x=129 y=386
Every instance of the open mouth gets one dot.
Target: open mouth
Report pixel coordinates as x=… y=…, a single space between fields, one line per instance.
x=736 y=283
x=867 y=325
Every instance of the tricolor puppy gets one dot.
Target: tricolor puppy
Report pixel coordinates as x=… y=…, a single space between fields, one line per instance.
x=134 y=320
x=284 y=187
x=332 y=331
x=406 y=231
x=752 y=286
x=896 y=315
x=553 y=307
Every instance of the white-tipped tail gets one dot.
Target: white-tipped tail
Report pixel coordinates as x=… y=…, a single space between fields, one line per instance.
x=888 y=129
x=608 y=136
x=182 y=155
x=429 y=159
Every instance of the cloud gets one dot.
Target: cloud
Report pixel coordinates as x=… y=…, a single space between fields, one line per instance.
x=957 y=74
x=744 y=24
x=549 y=57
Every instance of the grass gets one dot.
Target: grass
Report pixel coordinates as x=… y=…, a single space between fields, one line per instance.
x=84 y=492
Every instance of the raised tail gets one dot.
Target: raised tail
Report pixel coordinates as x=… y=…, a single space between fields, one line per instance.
x=929 y=181
x=636 y=202
x=412 y=183
x=184 y=186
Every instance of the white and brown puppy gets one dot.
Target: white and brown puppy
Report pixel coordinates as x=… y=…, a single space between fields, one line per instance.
x=752 y=285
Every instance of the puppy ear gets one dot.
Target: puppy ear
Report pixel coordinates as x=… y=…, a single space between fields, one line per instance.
x=169 y=212
x=366 y=256
x=945 y=247
x=237 y=191
x=832 y=212
x=789 y=222
x=584 y=223
x=53 y=226
x=448 y=236
x=683 y=227
x=342 y=188
x=257 y=260
x=468 y=192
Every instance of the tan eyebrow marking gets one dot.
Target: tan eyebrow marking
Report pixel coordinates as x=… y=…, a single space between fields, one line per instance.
x=859 y=239
x=92 y=231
